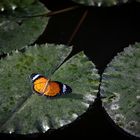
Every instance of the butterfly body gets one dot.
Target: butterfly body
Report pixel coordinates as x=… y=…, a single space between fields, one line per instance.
x=44 y=86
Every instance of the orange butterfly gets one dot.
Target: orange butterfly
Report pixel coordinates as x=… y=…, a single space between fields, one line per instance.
x=44 y=86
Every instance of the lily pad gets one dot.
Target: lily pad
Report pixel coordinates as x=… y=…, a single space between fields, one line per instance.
x=18 y=27
x=121 y=87
x=100 y=2
x=23 y=111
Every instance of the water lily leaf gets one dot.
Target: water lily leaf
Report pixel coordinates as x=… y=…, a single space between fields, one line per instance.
x=18 y=27
x=23 y=111
x=100 y=2
x=13 y=4
x=121 y=87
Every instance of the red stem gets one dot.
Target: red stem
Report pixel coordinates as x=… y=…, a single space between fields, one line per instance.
x=77 y=27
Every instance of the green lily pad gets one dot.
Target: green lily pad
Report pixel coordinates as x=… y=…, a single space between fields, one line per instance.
x=23 y=111
x=18 y=27
x=121 y=87
x=100 y=2
x=13 y=4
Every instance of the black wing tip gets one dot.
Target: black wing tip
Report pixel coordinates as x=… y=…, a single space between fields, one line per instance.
x=69 y=89
x=35 y=76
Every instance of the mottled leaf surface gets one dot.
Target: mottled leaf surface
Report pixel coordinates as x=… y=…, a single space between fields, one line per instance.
x=23 y=111
x=121 y=87
x=100 y=2
x=18 y=27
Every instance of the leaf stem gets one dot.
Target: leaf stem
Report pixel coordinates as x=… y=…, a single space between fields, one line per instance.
x=63 y=10
x=53 y=12
x=77 y=27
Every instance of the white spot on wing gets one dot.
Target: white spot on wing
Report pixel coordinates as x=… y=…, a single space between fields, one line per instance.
x=36 y=76
x=64 y=88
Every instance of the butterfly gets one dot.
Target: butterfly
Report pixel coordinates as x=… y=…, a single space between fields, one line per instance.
x=44 y=86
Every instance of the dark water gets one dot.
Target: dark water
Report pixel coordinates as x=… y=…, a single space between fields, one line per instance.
x=104 y=33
